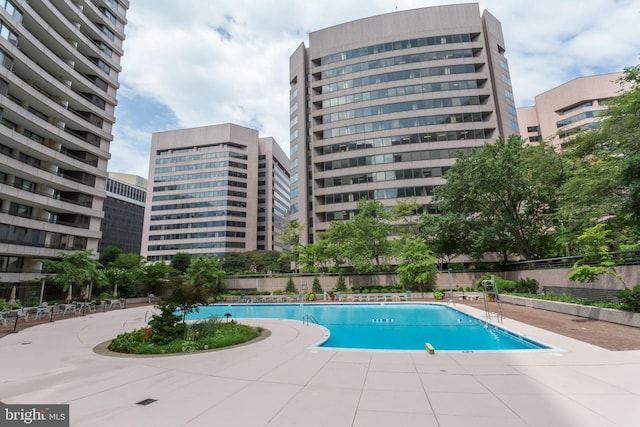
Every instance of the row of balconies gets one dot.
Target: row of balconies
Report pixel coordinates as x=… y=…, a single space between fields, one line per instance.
x=80 y=155
x=69 y=220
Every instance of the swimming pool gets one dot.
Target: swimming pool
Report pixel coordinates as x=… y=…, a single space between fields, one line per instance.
x=386 y=326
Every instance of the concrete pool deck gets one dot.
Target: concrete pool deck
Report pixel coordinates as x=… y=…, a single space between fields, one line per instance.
x=285 y=381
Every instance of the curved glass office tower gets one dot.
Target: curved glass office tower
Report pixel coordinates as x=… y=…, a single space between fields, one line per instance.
x=380 y=106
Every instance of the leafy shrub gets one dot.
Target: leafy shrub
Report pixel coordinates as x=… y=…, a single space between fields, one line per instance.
x=478 y=284
x=291 y=287
x=376 y=289
x=211 y=333
x=340 y=285
x=238 y=292
x=503 y=285
x=208 y=328
x=526 y=286
x=189 y=346
x=438 y=294
x=550 y=296
x=630 y=299
x=231 y=334
x=128 y=342
x=315 y=287
x=104 y=295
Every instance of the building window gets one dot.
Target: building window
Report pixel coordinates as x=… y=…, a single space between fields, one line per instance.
x=109 y=15
x=8 y=34
x=107 y=32
x=11 y=9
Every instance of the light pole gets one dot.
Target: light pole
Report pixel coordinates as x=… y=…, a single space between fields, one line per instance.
x=450 y=285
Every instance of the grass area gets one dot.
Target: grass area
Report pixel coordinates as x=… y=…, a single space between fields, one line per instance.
x=207 y=334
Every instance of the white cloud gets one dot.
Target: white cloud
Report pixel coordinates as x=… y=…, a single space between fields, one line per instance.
x=228 y=60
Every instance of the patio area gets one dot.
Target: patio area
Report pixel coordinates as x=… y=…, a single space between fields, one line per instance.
x=284 y=380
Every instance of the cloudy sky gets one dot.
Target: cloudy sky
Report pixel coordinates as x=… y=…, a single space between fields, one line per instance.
x=195 y=63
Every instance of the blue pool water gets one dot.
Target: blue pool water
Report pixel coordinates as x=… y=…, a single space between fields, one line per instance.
x=385 y=326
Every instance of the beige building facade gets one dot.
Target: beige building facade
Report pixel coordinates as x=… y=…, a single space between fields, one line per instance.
x=213 y=190
x=379 y=107
x=273 y=195
x=59 y=68
x=565 y=110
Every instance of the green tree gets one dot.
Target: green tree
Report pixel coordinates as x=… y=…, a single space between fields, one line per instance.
x=341 y=285
x=416 y=264
x=316 y=257
x=291 y=237
x=127 y=261
x=233 y=262
x=155 y=274
x=185 y=296
x=256 y=261
x=202 y=280
x=75 y=269
x=166 y=326
x=124 y=274
x=180 y=262
x=122 y=281
x=109 y=254
x=263 y=261
x=595 y=245
x=449 y=235
x=406 y=215
x=205 y=272
x=506 y=191
x=604 y=169
x=362 y=241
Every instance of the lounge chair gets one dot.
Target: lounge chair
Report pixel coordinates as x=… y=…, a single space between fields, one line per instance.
x=69 y=309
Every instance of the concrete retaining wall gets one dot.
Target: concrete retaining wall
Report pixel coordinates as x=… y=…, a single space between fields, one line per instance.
x=142 y=300
x=596 y=313
x=554 y=278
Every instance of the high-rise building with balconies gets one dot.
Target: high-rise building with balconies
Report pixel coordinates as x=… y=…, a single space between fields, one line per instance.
x=380 y=107
x=60 y=62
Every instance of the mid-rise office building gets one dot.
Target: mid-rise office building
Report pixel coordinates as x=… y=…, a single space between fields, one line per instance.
x=123 y=213
x=565 y=110
x=379 y=107
x=60 y=62
x=273 y=195
x=214 y=190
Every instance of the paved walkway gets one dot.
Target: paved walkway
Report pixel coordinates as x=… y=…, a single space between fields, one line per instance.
x=607 y=335
x=284 y=381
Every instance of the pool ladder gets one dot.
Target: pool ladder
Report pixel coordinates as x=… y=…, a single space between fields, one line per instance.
x=307 y=319
x=490 y=294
